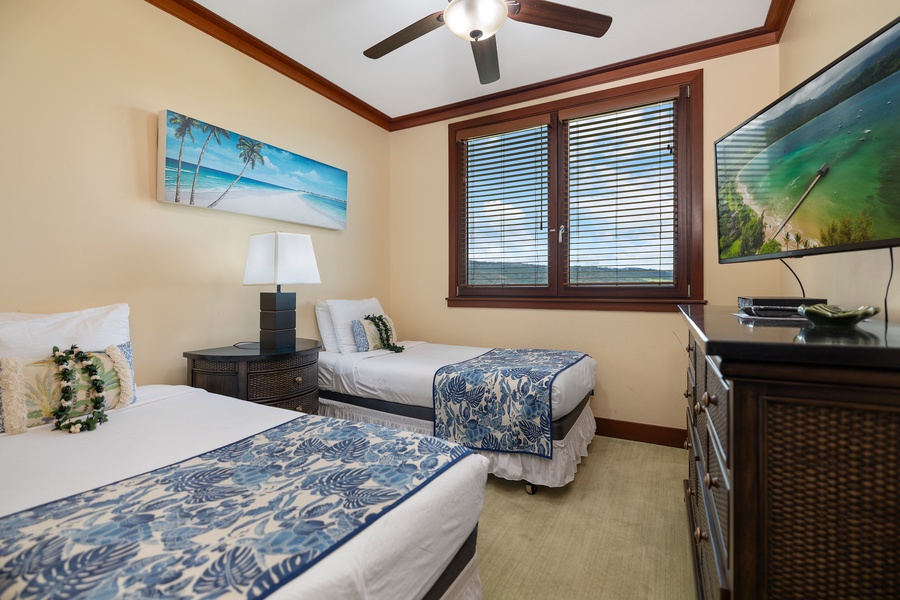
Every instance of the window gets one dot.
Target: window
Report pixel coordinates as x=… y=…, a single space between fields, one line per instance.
x=592 y=202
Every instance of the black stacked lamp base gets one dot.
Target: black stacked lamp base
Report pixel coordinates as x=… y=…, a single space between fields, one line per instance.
x=277 y=320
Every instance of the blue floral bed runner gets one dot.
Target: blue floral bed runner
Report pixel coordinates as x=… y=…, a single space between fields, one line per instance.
x=240 y=521
x=500 y=400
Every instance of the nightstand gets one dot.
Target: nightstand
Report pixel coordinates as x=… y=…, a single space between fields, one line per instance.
x=283 y=378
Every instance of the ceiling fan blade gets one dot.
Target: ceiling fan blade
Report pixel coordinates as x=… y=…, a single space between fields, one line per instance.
x=486 y=60
x=406 y=35
x=559 y=16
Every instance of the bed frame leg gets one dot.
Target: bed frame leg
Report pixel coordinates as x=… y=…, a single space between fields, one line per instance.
x=530 y=488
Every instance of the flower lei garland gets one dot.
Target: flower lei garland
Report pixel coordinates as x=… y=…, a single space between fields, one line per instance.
x=66 y=361
x=384 y=333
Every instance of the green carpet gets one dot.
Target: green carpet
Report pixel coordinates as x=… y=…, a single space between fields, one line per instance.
x=618 y=531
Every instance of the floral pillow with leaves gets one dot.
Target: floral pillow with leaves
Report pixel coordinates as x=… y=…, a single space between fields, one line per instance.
x=375 y=332
x=32 y=391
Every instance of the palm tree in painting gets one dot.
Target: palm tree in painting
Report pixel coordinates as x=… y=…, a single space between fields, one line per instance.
x=210 y=131
x=183 y=128
x=251 y=153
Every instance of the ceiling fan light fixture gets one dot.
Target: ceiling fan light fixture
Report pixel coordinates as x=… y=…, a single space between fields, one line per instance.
x=474 y=20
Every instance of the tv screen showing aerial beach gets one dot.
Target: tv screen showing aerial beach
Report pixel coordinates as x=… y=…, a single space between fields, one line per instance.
x=818 y=170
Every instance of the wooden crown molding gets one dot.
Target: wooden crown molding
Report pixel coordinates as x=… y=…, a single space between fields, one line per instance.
x=208 y=22
x=212 y=24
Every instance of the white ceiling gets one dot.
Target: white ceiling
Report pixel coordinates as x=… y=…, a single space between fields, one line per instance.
x=329 y=36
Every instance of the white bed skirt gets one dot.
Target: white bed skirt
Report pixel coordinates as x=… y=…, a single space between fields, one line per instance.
x=559 y=471
x=467 y=585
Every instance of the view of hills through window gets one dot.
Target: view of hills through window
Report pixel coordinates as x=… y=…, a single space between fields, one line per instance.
x=616 y=214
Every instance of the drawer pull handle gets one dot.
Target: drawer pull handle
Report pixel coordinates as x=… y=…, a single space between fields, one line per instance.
x=689 y=349
x=710 y=481
x=687 y=393
x=709 y=399
x=298 y=379
x=700 y=535
x=697 y=408
x=688 y=445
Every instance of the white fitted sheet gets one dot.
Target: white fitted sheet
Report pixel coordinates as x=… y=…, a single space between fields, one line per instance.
x=401 y=555
x=407 y=377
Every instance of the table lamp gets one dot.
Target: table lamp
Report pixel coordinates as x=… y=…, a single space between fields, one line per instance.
x=274 y=259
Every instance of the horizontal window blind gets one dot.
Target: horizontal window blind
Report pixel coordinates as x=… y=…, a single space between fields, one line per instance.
x=505 y=208
x=621 y=183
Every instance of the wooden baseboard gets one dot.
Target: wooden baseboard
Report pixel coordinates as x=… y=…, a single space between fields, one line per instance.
x=641 y=432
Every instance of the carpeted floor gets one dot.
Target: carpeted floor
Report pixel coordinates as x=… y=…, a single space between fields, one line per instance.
x=618 y=531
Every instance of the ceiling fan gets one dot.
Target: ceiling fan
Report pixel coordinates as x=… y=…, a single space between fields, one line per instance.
x=478 y=20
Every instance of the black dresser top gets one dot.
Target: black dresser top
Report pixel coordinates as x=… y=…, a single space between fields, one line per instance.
x=725 y=334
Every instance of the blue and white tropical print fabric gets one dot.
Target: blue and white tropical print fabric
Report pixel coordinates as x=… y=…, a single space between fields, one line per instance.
x=237 y=522
x=500 y=401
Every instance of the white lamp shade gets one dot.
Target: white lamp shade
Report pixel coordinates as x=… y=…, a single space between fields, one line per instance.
x=281 y=258
x=474 y=20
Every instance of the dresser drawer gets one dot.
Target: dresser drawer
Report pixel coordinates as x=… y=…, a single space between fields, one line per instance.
x=717 y=484
x=698 y=361
x=694 y=457
x=690 y=390
x=715 y=400
x=707 y=536
x=712 y=572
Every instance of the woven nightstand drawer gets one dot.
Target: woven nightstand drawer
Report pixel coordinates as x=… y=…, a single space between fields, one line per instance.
x=274 y=384
x=215 y=366
x=280 y=364
x=308 y=403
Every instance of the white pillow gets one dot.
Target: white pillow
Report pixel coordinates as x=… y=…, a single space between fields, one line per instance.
x=326 y=327
x=93 y=329
x=35 y=335
x=344 y=312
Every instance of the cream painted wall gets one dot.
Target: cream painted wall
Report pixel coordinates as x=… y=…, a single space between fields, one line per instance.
x=82 y=85
x=641 y=361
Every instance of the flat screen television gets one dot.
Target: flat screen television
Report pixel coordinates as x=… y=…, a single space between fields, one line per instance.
x=818 y=170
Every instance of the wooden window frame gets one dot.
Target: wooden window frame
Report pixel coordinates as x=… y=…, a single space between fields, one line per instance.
x=688 y=87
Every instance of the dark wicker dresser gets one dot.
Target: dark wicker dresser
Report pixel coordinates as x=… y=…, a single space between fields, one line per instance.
x=793 y=486
x=282 y=378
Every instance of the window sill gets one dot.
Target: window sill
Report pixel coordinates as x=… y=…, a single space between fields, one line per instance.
x=612 y=304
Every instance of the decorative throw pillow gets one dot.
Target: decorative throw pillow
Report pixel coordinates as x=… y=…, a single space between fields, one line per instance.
x=12 y=406
x=366 y=334
x=31 y=390
x=375 y=332
x=30 y=336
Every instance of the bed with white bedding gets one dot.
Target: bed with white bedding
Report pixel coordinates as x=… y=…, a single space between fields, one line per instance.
x=180 y=493
x=399 y=555
x=397 y=389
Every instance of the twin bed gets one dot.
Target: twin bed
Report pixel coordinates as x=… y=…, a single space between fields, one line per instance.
x=360 y=379
x=183 y=493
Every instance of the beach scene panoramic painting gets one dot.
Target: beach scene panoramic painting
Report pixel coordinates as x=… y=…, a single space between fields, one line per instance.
x=820 y=168
x=210 y=167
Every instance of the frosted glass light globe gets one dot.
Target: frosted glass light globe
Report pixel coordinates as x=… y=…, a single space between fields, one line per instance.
x=474 y=20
